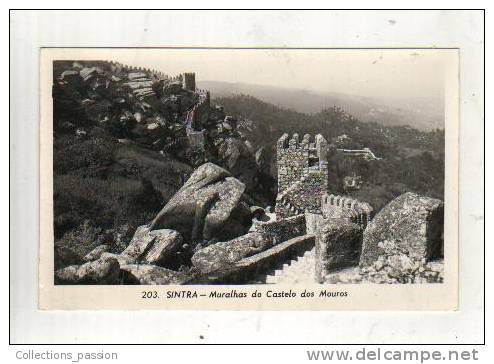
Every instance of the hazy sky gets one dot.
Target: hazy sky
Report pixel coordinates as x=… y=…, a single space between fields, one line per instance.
x=378 y=73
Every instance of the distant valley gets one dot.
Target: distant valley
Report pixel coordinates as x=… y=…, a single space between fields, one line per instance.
x=421 y=113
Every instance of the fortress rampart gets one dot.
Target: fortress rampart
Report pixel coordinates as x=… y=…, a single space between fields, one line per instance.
x=334 y=206
x=199 y=113
x=189 y=81
x=277 y=231
x=302 y=174
x=118 y=67
x=297 y=158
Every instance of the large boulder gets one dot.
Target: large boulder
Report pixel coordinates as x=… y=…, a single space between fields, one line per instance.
x=224 y=254
x=151 y=274
x=71 y=77
x=102 y=271
x=208 y=206
x=96 y=253
x=338 y=244
x=122 y=259
x=152 y=246
x=262 y=160
x=396 y=266
x=140 y=243
x=65 y=256
x=239 y=160
x=166 y=243
x=413 y=224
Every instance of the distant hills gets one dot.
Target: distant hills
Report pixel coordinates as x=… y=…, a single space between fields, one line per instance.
x=420 y=113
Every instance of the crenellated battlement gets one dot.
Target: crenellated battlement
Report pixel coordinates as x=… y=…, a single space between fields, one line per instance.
x=298 y=158
x=189 y=81
x=117 y=66
x=302 y=172
x=335 y=206
x=319 y=144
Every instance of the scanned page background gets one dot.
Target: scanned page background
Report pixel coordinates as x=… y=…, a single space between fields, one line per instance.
x=441 y=296
x=357 y=29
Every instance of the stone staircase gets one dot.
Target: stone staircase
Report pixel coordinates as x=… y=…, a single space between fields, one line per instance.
x=284 y=206
x=299 y=270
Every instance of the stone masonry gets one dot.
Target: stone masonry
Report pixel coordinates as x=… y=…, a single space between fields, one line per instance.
x=189 y=81
x=302 y=174
x=334 y=206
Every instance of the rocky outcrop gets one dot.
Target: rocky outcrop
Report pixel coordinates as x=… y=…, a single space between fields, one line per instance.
x=411 y=224
x=105 y=270
x=239 y=160
x=338 y=244
x=166 y=243
x=390 y=268
x=262 y=160
x=121 y=259
x=208 y=206
x=96 y=253
x=64 y=256
x=151 y=274
x=139 y=245
x=152 y=247
x=142 y=262
x=395 y=265
x=224 y=254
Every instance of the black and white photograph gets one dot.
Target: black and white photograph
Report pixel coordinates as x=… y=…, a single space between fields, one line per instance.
x=248 y=179
x=250 y=167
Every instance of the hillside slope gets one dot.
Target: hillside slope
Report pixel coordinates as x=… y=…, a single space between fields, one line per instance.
x=421 y=113
x=126 y=140
x=412 y=160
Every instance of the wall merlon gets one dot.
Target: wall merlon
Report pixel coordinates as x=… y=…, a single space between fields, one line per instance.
x=335 y=206
x=302 y=176
x=189 y=81
x=305 y=141
x=294 y=141
x=322 y=148
x=283 y=141
x=150 y=71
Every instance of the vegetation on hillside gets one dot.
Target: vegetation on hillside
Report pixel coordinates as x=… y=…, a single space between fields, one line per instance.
x=412 y=160
x=117 y=160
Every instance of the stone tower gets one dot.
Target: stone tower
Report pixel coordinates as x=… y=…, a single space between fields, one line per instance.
x=189 y=81
x=302 y=174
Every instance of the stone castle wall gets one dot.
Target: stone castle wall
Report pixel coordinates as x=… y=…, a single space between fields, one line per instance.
x=199 y=113
x=285 y=208
x=334 y=206
x=277 y=231
x=118 y=67
x=189 y=81
x=302 y=174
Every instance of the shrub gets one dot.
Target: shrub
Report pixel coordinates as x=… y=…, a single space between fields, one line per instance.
x=89 y=155
x=105 y=203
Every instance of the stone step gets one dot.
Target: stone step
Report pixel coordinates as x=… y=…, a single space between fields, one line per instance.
x=278 y=270
x=299 y=270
